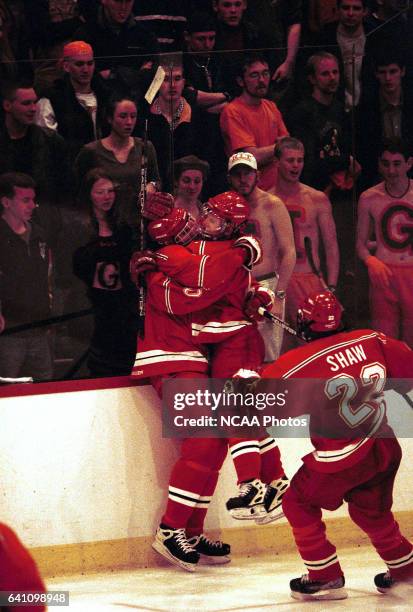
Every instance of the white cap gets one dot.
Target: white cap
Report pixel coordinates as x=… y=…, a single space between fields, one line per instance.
x=242 y=157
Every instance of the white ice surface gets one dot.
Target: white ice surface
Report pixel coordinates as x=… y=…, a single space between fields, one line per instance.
x=259 y=583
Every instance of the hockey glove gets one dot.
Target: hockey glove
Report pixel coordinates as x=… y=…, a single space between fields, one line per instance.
x=252 y=247
x=158 y=205
x=243 y=381
x=260 y=297
x=140 y=262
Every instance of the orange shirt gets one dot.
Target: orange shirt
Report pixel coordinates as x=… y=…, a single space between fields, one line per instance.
x=245 y=126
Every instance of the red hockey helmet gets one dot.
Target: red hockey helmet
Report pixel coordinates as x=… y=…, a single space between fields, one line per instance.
x=320 y=312
x=178 y=227
x=232 y=211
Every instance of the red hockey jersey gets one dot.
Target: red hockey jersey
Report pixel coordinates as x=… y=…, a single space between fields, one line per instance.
x=173 y=340
x=224 y=316
x=345 y=378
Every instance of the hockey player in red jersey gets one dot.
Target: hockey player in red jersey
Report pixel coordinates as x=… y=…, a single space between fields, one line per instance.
x=203 y=280
x=346 y=373
x=18 y=571
x=234 y=347
x=168 y=349
x=171 y=315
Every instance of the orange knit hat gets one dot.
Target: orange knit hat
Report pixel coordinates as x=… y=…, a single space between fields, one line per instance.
x=77 y=47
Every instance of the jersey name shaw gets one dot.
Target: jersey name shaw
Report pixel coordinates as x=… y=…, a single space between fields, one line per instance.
x=347 y=357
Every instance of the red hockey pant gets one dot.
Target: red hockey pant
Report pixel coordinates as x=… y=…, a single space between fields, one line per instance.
x=195 y=475
x=368 y=489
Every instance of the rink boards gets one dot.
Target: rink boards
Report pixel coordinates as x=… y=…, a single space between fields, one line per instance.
x=85 y=472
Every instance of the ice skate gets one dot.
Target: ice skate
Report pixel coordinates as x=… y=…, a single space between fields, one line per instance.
x=307 y=590
x=211 y=552
x=273 y=501
x=386 y=584
x=174 y=546
x=249 y=504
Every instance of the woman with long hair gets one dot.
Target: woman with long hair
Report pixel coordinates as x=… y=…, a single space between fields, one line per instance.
x=103 y=264
x=120 y=155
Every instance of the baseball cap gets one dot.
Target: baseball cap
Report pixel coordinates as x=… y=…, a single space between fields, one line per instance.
x=242 y=157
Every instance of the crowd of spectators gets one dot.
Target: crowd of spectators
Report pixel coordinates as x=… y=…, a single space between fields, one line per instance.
x=237 y=75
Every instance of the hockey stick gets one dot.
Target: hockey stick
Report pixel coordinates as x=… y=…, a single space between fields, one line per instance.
x=271 y=317
x=142 y=198
x=171 y=131
x=406 y=397
x=149 y=97
x=309 y=252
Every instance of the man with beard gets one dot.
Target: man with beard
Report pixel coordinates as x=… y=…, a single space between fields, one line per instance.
x=251 y=123
x=320 y=123
x=349 y=34
x=269 y=221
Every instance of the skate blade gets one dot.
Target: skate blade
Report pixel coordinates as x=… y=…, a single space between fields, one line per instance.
x=269 y=518
x=401 y=590
x=248 y=514
x=209 y=560
x=160 y=548
x=328 y=594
